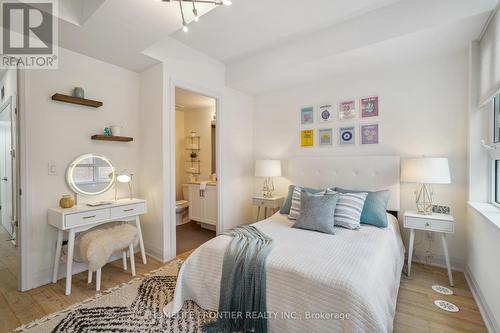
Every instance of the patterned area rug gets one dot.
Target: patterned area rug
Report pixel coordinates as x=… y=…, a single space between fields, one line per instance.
x=136 y=306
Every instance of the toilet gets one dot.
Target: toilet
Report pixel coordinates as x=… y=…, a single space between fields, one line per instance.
x=182 y=207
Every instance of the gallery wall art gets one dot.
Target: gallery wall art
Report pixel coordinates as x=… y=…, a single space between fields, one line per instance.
x=352 y=125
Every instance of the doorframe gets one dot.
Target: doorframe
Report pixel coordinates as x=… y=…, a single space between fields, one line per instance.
x=170 y=227
x=18 y=103
x=24 y=182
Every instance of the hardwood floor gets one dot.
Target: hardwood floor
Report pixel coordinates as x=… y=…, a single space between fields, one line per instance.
x=191 y=235
x=18 y=308
x=415 y=311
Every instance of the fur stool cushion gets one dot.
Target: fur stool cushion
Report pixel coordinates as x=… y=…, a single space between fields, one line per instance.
x=97 y=246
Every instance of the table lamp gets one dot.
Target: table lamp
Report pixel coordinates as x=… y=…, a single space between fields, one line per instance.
x=126 y=178
x=268 y=169
x=425 y=171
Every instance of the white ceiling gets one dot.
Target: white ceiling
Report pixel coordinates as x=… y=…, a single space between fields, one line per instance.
x=119 y=30
x=251 y=25
x=266 y=44
x=186 y=100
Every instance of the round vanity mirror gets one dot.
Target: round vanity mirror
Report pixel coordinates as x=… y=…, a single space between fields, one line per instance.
x=90 y=174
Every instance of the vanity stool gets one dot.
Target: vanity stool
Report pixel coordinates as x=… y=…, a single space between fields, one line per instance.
x=97 y=246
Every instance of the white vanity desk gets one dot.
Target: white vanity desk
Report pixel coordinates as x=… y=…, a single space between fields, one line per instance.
x=81 y=218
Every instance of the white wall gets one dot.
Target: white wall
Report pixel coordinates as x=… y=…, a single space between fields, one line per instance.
x=180 y=155
x=57 y=132
x=423 y=110
x=200 y=121
x=190 y=69
x=152 y=170
x=483 y=235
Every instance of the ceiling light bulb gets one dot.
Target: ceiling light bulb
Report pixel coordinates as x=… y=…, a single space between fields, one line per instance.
x=185 y=27
x=227 y=2
x=196 y=17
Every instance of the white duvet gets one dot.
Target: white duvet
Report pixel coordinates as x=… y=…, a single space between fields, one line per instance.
x=347 y=282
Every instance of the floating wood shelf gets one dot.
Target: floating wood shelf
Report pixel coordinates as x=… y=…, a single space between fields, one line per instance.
x=111 y=138
x=76 y=100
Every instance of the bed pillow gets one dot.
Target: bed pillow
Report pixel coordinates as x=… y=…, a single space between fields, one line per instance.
x=296 y=198
x=375 y=208
x=285 y=209
x=349 y=208
x=317 y=212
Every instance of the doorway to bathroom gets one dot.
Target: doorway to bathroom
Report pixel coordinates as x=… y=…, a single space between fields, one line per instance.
x=196 y=187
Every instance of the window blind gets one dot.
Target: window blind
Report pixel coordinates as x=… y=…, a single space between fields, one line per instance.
x=489 y=60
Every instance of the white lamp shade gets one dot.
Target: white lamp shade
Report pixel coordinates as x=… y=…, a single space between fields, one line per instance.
x=267 y=168
x=123 y=178
x=426 y=170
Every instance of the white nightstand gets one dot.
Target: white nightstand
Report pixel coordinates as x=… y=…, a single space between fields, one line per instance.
x=441 y=223
x=273 y=203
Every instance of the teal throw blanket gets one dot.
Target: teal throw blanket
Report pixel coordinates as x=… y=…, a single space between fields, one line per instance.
x=242 y=303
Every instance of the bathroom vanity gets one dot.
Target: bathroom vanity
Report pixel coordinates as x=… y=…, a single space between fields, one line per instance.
x=203 y=204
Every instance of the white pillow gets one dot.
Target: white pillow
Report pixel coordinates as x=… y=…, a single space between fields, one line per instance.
x=349 y=209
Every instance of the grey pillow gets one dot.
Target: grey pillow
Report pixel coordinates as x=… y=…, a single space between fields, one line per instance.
x=317 y=213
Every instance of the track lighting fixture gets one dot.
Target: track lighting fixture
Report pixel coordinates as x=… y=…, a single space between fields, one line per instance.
x=195 y=11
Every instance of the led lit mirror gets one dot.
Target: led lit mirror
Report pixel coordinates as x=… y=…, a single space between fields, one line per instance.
x=90 y=174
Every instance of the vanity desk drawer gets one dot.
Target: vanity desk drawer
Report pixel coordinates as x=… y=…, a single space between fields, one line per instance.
x=71 y=220
x=128 y=210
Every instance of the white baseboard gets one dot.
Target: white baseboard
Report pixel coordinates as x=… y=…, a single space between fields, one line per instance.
x=438 y=260
x=486 y=313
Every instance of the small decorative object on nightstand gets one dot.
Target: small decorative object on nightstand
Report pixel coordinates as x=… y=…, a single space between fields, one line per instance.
x=440 y=223
x=273 y=203
x=425 y=171
x=268 y=169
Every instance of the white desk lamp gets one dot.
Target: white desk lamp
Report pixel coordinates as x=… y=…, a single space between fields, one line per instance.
x=268 y=169
x=126 y=178
x=425 y=171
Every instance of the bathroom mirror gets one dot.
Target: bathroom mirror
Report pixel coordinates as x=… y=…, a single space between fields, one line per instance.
x=90 y=174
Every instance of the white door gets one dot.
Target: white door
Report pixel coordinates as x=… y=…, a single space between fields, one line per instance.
x=195 y=204
x=6 y=181
x=210 y=205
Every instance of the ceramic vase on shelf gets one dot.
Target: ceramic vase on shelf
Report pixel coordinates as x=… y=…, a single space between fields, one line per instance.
x=67 y=201
x=116 y=130
x=79 y=92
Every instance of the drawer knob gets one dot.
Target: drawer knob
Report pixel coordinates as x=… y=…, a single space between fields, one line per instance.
x=88 y=217
x=427 y=224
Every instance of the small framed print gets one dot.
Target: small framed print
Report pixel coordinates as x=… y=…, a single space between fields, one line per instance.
x=369 y=106
x=346 y=136
x=325 y=136
x=307 y=138
x=325 y=112
x=369 y=134
x=347 y=109
x=307 y=115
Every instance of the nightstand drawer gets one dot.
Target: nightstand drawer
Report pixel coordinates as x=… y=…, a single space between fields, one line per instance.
x=267 y=203
x=428 y=224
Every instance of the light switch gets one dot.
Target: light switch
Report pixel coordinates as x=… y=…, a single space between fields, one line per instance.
x=52 y=169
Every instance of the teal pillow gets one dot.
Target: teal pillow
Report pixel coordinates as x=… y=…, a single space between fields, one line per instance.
x=317 y=213
x=375 y=208
x=285 y=209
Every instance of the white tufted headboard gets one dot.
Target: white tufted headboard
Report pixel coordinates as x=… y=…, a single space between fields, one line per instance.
x=352 y=172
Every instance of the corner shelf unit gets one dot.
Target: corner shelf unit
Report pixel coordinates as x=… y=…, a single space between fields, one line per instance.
x=193 y=146
x=76 y=100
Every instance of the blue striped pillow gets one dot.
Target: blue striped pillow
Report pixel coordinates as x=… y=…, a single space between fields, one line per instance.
x=349 y=208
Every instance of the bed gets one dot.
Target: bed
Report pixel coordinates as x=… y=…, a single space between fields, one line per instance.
x=317 y=282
